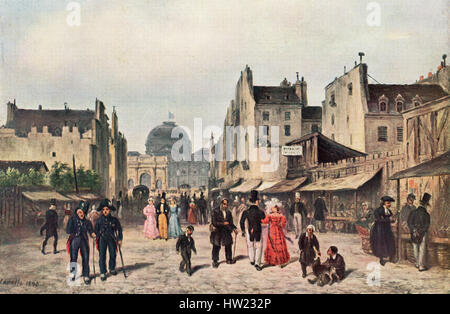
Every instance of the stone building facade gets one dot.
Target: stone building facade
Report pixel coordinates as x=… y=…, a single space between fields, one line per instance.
x=265 y=108
x=368 y=117
x=159 y=171
x=58 y=135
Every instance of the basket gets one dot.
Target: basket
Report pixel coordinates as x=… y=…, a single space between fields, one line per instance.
x=443 y=255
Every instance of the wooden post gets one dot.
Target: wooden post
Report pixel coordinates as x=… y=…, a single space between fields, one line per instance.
x=399 y=238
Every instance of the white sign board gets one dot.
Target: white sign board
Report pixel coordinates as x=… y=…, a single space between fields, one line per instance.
x=292 y=150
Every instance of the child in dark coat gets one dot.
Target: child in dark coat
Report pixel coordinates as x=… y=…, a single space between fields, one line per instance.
x=186 y=244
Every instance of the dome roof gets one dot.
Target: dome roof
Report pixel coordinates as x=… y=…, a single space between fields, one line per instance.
x=159 y=140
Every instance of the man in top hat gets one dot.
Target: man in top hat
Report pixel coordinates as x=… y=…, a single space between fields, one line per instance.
x=298 y=210
x=50 y=227
x=405 y=211
x=319 y=214
x=109 y=235
x=201 y=205
x=186 y=244
x=222 y=227
x=418 y=223
x=253 y=215
x=381 y=237
x=79 y=229
x=162 y=217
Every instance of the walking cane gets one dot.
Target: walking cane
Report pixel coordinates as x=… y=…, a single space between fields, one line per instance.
x=93 y=259
x=121 y=257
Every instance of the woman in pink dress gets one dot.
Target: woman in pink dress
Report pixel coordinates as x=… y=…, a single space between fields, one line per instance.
x=276 y=252
x=150 y=229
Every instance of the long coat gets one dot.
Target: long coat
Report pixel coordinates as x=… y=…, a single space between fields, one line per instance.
x=382 y=239
x=51 y=223
x=254 y=215
x=320 y=209
x=222 y=233
x=418 y=223
x=306 y=246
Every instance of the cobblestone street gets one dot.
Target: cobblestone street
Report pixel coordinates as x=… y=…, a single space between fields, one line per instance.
x=152 y=267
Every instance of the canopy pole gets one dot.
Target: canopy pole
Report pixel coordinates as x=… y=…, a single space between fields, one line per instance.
x=399 y=237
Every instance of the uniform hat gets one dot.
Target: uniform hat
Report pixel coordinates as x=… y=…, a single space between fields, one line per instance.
x=425 y=199
x=411 y=196
x=106 y=203
x=190 y=227
x=254 y=196
x=83 y=205
x=53 y=201
x=387 y=198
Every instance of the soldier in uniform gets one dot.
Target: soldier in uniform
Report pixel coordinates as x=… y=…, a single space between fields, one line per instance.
x=50 y=227
x=78 y=228
x=187 y=244
x=109 y=235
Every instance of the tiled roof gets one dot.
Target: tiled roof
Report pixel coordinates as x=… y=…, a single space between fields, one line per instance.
x=312 y=113
x=23 y=166
x=426 y=92
x=24 y=119
x=275 y=95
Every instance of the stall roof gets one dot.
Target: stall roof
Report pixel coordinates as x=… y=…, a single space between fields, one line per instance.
x=349 y=183
x=266 y=185
x=246 y=186
x=329 y=150
x=285 y=186
x=434 y=167
x=84 y=196
x=229 y=184
x=38 y=196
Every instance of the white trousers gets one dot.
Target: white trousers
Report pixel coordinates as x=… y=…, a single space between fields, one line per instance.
x=254 y=250
x=420 y=252
x=298 y=224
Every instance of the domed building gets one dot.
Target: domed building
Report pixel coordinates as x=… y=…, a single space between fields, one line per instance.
x=158 y=171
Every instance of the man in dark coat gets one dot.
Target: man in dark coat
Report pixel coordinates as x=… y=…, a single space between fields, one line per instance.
x=253 y=215
x=221 y=229
x=187 y=199
x=381 y=237
x=109 y=235
x=309 y=250
x=298 y=211
x=405 y=211
x=50 y=227
x=186 y=245
x=201 y=205
x=162 y=208
x=332 y=270
x=418 y=223
x=79 y=229
x=320 y=208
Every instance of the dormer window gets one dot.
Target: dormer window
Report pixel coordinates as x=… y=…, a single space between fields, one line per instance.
x=350 y=88
x=399 y=101
x=383 y=103
x=417 y=101
x=332 y=100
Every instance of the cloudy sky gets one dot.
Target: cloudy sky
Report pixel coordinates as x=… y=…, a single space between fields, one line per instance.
x=150 y=57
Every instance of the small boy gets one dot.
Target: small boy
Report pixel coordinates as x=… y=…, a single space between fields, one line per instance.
x=187 y=244
x=333 y=270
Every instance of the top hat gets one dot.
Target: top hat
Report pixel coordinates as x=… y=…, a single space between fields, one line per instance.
x=254 y=196
x=411 y=196
x=387 y=198
x=53 y=201
x=163 y=195
x=425 y=199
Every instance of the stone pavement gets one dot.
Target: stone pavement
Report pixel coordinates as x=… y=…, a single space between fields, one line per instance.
x=152 y=267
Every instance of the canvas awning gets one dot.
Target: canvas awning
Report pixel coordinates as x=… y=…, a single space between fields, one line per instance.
x=84 y=196
x=434 y=167
x=349 y=183
x=229 y=184
x=285 y=186
x=246 y=186
x=266 y=185
x=39 y=196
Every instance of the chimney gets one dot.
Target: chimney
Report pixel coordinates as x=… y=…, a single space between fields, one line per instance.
x=430 y=74
x=421 y=78
x=301 y=90
x=345 y=69
x=40 y=107
x=360 y=54
x=444 y=57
